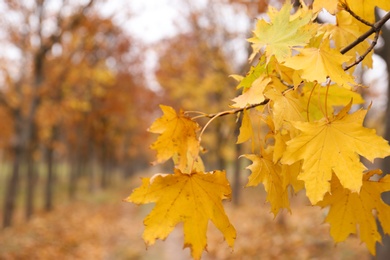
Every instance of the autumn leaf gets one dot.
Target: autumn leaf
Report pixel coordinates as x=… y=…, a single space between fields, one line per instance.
x=193 y=199
x=349 y=209
x=254 y=73
x=316 y=64
x=246 y=130
x=366 y=8
x=280 y=140
x=177 y=137
x=334 y=146
x=253 y=95
x=282 y=33
x=265 y=171
x=330 y=5
x=290 y=176
x=286 y=107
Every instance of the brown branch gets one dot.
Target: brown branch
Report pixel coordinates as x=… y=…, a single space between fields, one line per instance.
x=357 y=17
x=361 y=57
x=233 y=111
x=374 y=29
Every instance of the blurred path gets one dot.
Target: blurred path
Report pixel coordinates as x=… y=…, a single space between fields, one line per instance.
x=104 y=227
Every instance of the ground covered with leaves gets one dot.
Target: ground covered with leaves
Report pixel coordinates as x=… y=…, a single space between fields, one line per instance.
x=104 y=227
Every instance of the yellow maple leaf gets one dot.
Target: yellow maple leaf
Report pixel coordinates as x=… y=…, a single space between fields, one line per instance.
x=177 y=137
x=254 y=94
x=254 y=73
x=290 y=176
x=282 y=33
x=246 y=130
x=366 y=8
x=286 y=107
x=330 y=5
x=265 y=171
x=334 y=146
x=280 y=140
x=316 y=64
x=349 y=209
x=193 y=199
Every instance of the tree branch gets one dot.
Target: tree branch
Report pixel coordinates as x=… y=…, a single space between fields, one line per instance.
x=357 y=17
x=361 y=57
x=376 y=27
x=231 y=112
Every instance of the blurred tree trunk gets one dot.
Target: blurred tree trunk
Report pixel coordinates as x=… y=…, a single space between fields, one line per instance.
x=23 y=145
x=73 y=176
x=383 y=251
x=50 y=178
x=12 y=188
x=76 y=163
x=90 y=165
x=31 y=183
x=29 y=125
x=105 y=160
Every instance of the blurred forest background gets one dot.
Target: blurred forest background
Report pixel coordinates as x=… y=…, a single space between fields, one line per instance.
x=80 y=82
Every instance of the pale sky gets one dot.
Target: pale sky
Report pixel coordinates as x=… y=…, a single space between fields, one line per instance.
x=154 y=19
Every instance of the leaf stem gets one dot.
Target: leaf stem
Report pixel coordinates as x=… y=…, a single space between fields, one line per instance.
x=308 y=102
x=326 y=101
x=361 y=57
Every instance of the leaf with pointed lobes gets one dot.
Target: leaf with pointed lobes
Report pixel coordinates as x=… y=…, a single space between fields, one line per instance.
x=349 y=209
x=246 y=129
x=334 y=145
x=366 y=8
x=282 y=33
x=178 y=138
x=193 y=199
x=330 y=5
x=319 y=63
x=253 y=95
x=265 y=171
x=287 y=106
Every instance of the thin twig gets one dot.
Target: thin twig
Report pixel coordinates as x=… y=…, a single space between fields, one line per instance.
x=375 y=28
x=357 y=17
x=224 y=113
x=361 y=57
x=231 y=112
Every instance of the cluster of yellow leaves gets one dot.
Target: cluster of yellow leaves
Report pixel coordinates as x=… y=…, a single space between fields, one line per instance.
x=190 y=195
x=304 y=98
x=313 y=139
